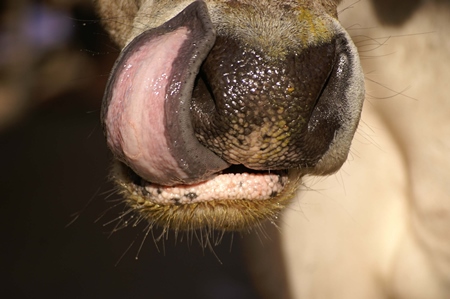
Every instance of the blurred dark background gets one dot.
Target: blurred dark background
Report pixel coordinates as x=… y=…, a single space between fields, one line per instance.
x=55 y=196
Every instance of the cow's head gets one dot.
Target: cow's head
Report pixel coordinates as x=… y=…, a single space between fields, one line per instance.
x=215 y=109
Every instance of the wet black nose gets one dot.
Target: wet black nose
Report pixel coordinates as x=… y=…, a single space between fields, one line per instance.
x=254 y=109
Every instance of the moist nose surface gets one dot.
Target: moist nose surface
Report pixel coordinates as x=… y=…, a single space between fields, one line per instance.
x=252 y=109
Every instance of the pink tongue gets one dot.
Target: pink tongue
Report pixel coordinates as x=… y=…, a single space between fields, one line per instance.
x=135 y=122
x=147 y=102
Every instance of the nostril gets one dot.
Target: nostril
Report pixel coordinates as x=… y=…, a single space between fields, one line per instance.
x=202 y=102
x=318 y=99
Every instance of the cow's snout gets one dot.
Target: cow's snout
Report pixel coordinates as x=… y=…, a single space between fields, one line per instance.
x=275 y=90
x=197 y=101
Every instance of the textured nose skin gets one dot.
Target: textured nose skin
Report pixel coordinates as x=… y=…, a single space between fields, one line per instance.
x=254 y=109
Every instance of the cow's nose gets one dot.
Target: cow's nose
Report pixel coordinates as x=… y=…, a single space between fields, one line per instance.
x=253 y=109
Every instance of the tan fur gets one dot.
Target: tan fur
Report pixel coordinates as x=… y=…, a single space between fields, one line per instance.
x=118 y=16
x=380 y=228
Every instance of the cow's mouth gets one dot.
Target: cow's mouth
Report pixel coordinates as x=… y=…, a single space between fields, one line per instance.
x=236 y=198
x=234 y=183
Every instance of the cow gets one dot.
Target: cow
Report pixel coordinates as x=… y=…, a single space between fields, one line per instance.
x=223 y=115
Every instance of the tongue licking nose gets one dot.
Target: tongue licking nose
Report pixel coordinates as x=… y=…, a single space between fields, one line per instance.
x=146 y=109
